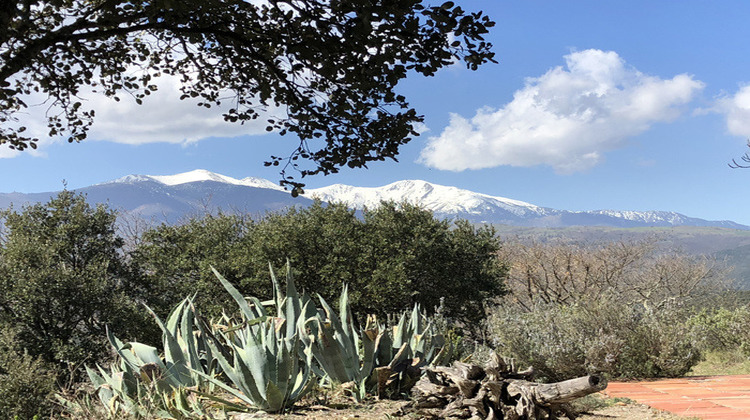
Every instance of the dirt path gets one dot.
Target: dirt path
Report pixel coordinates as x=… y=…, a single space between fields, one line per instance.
x=705 y=397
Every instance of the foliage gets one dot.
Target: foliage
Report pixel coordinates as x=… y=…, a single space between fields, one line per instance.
x=344 y=353
x=405 y=347
x=722 y=329
x=722 y=362
x=414 y=337
x=266 y=359
x=185 y=351
x=566 y=341
x=174 y=261
x=26 y=383
x=261 y=355
x=143 y=381
x=62 y=279
x=323 y=244
x=394 y=257
x=411 y=257
x=332 y=67
x=125 y=394
x=398 y=255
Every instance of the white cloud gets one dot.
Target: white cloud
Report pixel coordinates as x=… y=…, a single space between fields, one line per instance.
x=567 y=118
x=737 y=111
x=161 y=118
x=164 y=118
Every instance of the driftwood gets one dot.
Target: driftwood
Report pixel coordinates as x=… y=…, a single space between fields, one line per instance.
x=496 y=391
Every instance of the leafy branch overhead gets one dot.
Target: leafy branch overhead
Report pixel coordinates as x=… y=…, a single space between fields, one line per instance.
x=330 y=66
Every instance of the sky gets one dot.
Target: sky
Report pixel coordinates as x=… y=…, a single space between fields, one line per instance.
x=624 y=105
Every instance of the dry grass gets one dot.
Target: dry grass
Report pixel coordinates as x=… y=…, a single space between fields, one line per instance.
x=722 y=363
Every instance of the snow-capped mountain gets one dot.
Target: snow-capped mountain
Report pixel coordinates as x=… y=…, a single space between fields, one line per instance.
x=198 y=175
x=440 y=199
x=454 y=202
x=172 y=197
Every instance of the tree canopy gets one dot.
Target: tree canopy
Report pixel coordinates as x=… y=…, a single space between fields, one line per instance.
x=331 y=66
x=63 y=280
x=392 y=257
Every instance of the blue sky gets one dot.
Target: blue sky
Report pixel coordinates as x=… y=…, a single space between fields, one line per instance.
x=628 y=105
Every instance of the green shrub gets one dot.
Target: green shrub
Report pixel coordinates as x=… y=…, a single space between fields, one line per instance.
x=63 y=279
x=26 y=383
x=563 y=342
x=174 y=261
x=722 y=329
x=393 y=257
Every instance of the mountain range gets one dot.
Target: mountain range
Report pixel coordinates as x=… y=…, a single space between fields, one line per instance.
x=172 y=197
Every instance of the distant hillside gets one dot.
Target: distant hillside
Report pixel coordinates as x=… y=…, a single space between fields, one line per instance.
x=731 y=246
x=172 y=197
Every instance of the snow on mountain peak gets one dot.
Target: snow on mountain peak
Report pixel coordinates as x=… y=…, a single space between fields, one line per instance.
x=438 y=198
x=194 y=176
x=199 y=175
x=447 y=201
x=129 y=179
x=252 y=181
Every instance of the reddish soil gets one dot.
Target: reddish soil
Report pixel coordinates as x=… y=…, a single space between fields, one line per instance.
x=705 y=397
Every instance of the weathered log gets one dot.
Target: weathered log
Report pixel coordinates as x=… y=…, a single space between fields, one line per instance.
x=567 y=391
x=469 y=391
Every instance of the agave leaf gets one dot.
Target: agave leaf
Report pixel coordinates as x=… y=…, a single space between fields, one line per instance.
x=226 y=405
x=237 y=373
x=226 y=387
x=293 y=303
x=400 y=355
x=302 y=382
x=189 y=338
x=344 y=312
x=146 y=353
x=174 y=317
x=400 y=332
x=128 y=358
x=335 y=332
x=104 y=393
x=278 y=296
x=245 y=380
x=175 y=358
x=255 y=355
x=330 y=355
x=276 y=400
x=96 y=379
x=370 y=342
x=236 y=295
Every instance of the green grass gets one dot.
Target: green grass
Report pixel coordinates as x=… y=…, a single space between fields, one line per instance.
x=722 y=363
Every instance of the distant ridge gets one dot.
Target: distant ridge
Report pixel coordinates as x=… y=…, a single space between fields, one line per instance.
x=197 y=175
x=459 y=203
x=173 y=197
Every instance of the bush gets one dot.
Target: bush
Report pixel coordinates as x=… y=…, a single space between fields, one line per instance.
x=174 y=261
x=391 y=258
x=722 y=329
x=566 y=341
x=636 y=272
x=26 y=383
x=63 y=280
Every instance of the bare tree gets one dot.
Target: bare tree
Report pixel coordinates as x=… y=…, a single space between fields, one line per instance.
x=629 y=271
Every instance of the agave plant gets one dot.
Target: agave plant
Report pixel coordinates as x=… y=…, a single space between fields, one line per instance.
x=142 y=373
x=345 y=354
x=124 y=394
x=405 y=348
x=262 y=356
